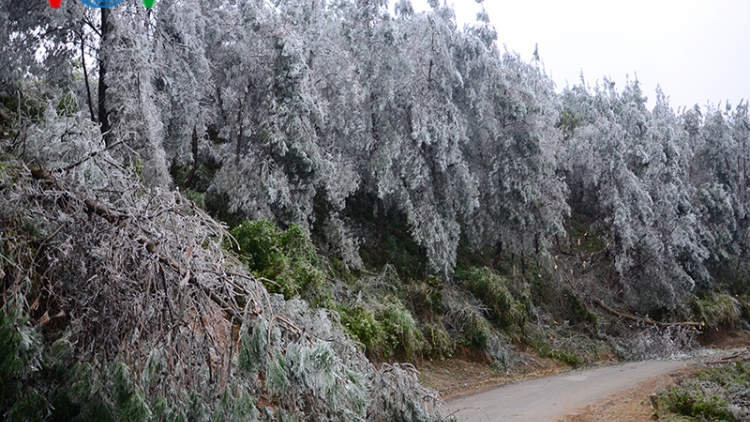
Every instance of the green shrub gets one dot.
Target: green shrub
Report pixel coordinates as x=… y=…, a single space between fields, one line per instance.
x=386 y=332
x=474 y=329
x=20 y=354
x=546 y=349
x=688 y=403
x=197 y=197
x=402 y=338
x=715 y=394
x=426 y=297
x=570 y=358
x=286 y=259
x=438 y=343
x=718 y=310
x=578 y=310
x=492 y=290
x=67 y=106
x=361 y=325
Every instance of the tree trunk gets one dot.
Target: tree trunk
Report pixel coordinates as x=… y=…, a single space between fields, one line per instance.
x=103 y=115
x=194 y=150
x=86 y=76
x=498 y=253
x=381 y=218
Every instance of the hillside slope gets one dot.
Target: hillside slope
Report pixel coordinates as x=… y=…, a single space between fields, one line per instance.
x=120 y=303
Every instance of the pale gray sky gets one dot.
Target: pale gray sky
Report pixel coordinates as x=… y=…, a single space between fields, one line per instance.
x=697 y=50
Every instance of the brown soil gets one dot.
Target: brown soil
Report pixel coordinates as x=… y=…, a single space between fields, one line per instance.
x=724 y=338
x=458 y=377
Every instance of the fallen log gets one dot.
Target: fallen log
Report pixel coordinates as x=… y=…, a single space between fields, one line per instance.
x=645 y=320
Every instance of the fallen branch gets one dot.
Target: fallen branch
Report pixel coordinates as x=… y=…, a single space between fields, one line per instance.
x=737 y=357
x=192 y=280
x=93 y=207
x=645 y=320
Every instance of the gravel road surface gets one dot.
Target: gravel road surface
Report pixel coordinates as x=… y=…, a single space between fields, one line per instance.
x=550 y=398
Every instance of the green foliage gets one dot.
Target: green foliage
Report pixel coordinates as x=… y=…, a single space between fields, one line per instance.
x=202 y=177
x=402 y=338
x=43 y=382
x=238 y=406
x=584 y=235
x=438 y=343
x=486 y=285
x=20 y=359
x=67 y=106
x=28 y=102
x=361 y=325
x=197 y=410
x=139 y=169
x=277 y=375
x=546 y=349
x=426 y=297
x=216 y=205
x=389 y=331
x=570 y=358
x=568 y=122
x=286 y=259
x=254 y=346
x=474 y=328
x=129 y=401
x=578 y=310
x=717 y=310
x=393 y=244
x=698 y=406
x=197 y=197
x=714 y=394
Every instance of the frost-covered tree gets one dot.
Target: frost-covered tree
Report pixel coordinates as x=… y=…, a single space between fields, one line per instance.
x=720 y=175
x=412 y=160
x=626 y=170
x=511 y=108
x=128 y=55
x=39 y=41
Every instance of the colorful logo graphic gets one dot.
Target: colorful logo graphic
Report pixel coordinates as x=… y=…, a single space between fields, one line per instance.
x=101 y=4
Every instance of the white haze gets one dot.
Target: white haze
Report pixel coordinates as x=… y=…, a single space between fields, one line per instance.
x=696 y=50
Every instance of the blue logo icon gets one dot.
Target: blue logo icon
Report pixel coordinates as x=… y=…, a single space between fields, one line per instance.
x=101 y=4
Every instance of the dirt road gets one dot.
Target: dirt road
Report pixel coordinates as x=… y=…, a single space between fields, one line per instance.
x=550 y=398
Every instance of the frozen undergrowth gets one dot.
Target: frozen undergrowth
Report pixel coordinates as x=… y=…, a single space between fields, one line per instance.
x=119 y=302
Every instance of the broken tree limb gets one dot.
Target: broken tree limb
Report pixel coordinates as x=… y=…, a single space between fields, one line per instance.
x=645 y=320
x=192 y=280
x=113 y=217
x=741 y=356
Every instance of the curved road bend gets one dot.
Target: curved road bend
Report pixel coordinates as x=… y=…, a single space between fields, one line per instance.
x=550 y=398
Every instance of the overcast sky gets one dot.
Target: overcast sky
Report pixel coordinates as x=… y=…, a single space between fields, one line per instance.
x=697 y=50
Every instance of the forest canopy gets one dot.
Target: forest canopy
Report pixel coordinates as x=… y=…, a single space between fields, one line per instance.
x=382 y=140
x=342 y=117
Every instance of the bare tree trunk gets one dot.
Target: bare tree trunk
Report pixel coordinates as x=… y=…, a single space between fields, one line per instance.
x=381 y=218
x=194 y=150
x=241 y=129
x=86 y=76
x=498 y=253
x=103 y=115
